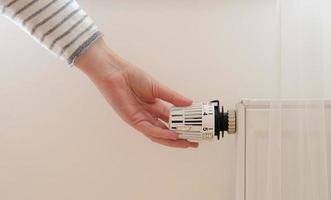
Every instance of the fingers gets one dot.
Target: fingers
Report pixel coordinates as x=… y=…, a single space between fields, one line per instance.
x=166 y=94
x=172 y=143
x=160 y=124
x=159 y=109
x=155 y=131
x=175 y=143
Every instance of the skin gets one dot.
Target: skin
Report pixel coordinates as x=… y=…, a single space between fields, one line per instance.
x=140 y=100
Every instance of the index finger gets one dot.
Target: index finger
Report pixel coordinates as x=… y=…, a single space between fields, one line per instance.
x=171 y=96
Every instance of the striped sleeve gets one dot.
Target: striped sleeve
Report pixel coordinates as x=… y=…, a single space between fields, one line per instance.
x=59 y=25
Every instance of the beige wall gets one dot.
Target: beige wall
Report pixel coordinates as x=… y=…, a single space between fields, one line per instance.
x=60 y=140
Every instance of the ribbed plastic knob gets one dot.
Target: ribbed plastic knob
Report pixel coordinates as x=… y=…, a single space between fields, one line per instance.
x=202 y=121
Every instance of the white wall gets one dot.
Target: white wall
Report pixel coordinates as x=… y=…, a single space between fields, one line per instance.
x=60 y=140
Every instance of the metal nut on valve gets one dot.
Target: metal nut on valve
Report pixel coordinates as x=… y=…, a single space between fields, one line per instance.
x=232 y=122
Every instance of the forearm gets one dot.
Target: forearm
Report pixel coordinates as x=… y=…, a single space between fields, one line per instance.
x=65 y=29
x=59 y=25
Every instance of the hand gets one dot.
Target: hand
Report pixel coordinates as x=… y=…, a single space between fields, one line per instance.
x=136 y=97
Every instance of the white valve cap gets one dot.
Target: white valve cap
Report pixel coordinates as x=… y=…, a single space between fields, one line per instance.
x=201 y=121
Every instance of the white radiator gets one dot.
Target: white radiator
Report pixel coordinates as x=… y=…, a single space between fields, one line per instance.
x=290 y=166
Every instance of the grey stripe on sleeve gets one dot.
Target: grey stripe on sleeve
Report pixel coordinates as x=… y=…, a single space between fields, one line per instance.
x=59 y=24
x=75 y=39
x=38 y=12
x=51 y=16
x=8 y=5
x=82 y=48
x=68 y=31
x=25 y=7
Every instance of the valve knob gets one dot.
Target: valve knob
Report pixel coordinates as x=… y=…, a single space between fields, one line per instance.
x=202 y=121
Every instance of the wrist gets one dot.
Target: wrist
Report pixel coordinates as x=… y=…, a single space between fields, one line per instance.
x=98 y=61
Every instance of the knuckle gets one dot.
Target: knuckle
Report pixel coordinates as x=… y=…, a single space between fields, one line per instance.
x=136 y=119
x=155 y=89
x=165 y=111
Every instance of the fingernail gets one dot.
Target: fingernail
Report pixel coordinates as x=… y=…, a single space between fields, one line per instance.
x=189 y=101
x=194 y=145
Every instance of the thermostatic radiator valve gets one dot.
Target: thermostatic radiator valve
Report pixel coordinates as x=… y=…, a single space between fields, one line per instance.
x=202 y=121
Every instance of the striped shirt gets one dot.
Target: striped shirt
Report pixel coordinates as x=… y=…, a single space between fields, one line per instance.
x=59 y=25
